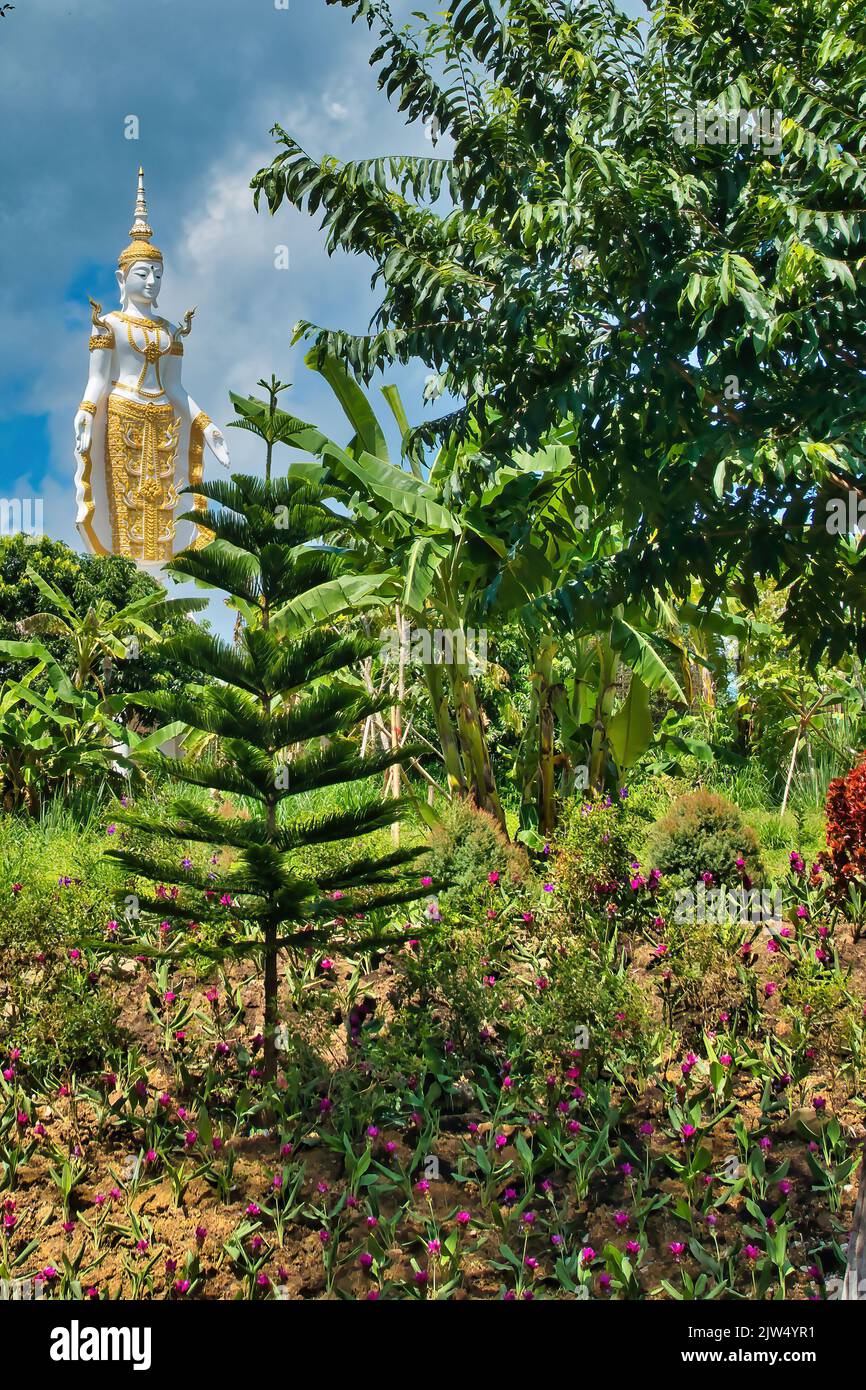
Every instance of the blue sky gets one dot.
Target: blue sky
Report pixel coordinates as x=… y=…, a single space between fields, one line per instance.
x=206 y=79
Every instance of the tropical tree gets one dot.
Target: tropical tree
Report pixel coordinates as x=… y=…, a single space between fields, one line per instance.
x=57 y=738
x=424 y=546
x=103 y=634
x=90 y=584
x=694 y=306
x=458 y=552
x=281 y=707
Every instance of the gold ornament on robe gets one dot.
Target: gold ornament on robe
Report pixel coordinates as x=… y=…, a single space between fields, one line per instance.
x=148 y=439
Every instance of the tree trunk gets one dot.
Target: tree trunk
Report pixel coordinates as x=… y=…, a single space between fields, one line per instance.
x=603 y=706
x=790 y=776
x=397 y=714
x=482 y=781
x=271 y=1004
x=546 y=766
x=433 y=675
x=527 y=762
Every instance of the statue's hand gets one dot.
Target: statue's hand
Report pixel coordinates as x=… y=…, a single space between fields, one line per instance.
x=215 y=441
x=83 y=431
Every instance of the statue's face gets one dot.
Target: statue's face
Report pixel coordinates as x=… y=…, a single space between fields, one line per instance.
x=142 y=283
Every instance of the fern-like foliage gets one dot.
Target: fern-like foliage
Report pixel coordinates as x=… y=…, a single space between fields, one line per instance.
x=280 y=713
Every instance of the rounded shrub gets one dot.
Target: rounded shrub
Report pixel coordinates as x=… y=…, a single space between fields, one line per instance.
x=464 y=850
x=701 y=834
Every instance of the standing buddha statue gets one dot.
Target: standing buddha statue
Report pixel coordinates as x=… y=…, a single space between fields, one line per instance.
x=139 y=438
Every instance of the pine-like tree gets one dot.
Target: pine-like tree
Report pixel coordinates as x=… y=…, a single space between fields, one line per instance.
x=280 y=710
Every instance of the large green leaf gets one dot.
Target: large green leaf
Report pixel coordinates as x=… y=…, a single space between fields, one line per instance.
x=327 y=601
x=39 y=703
x=353 y=402
x=630 y=731
x=725 y=624
x=640 y=656
x=35 y=651
x=156 y=738
x=425 y=557
x=54 y=596
x=399 y=491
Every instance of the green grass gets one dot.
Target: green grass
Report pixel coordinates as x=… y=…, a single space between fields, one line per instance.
x=779 y=836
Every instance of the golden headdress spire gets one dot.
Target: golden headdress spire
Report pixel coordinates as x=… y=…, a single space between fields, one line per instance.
x=139 y=248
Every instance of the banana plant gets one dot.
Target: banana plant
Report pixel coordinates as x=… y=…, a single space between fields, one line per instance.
x=473 y=544
x=102 y=634
x=54 y=736
x=423 y=545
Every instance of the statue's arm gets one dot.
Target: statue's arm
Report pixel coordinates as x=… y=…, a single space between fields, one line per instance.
x=98 y=386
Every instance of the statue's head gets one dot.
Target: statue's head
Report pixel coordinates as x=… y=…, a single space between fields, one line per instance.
x=140 y=283
x=139 y=265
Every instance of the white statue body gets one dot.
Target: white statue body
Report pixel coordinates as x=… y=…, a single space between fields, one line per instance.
x=139 y=435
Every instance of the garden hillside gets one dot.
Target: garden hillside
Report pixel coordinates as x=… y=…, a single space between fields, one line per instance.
x=484 y=915
x=555 y=1085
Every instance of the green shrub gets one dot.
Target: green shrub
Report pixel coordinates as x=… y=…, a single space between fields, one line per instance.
x=60 y=1029
x=596 y=864
x=702 y=833
x=464 y=850
x=56 y=892
x=514 y=992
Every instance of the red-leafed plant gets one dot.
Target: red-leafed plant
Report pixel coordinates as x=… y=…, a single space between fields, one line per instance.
x=845 y=859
